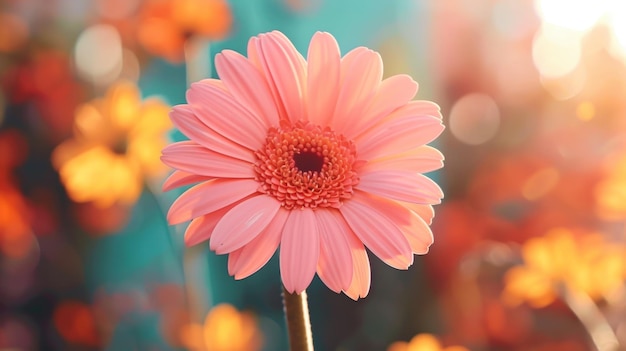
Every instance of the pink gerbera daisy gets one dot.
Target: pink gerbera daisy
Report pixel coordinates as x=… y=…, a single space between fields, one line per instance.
x=320 y=157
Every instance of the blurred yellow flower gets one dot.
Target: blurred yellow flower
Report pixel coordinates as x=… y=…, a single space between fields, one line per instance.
x=117 y=144
x=585 y=264
x=423 y=342
x=224 y=329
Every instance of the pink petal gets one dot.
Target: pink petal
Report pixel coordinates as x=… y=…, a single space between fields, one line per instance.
x=419 y=235
x=398 y=135
x=253 y=53
x=379 y=234
x=247 y=85
x=361 y=277
x=196 y=231
x=200 y=228
x=323 y=78
x=243 y=223
x=361 y=72
x=217 y=83
x=420 y=160
x=335 y=263
x=233 y=259
x=299 y=250
x=401 y=185
x=425 y=211
x=208 y=197
x=259 y=251
x=425 y=107
x=414 y=228
x=180 y=178
x=393 y=93
x=285 y=72
x=188 y=156
x=220 y=111
x=186 y=121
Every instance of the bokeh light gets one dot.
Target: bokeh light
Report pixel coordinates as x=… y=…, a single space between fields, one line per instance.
x=567 y=86
x=585 y=111
x=224 y=329
x=75 y=322
x=98 y=54
x=474 y=119
x=423 y=342
x=556 y=52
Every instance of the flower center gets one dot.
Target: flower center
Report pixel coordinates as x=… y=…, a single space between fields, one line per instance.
x=303 y=165
x=120 y=147
x=308 y=161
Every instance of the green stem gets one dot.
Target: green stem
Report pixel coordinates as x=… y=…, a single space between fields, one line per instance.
x=298 y=323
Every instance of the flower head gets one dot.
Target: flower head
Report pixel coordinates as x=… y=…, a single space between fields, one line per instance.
x=165 y=25
x=583 y=264
x=318 y=156
x=116 y=146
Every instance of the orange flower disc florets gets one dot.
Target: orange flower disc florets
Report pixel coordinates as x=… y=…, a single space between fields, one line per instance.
x=303 y=165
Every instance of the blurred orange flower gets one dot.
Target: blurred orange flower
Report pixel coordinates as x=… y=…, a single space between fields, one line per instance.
x=13 y=152
x=165 y=25
x=584 y=263
x=224 y=329
x=16 y=237
x=423 y=342
x=45 y=78
x=117 y=143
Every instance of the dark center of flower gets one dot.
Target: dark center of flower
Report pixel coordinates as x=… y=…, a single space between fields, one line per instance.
x=308 y=161
x=120 y=147
x=303 y=165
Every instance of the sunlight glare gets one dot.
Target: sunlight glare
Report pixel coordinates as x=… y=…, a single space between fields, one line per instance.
x=617 y=22
x=578 y=15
